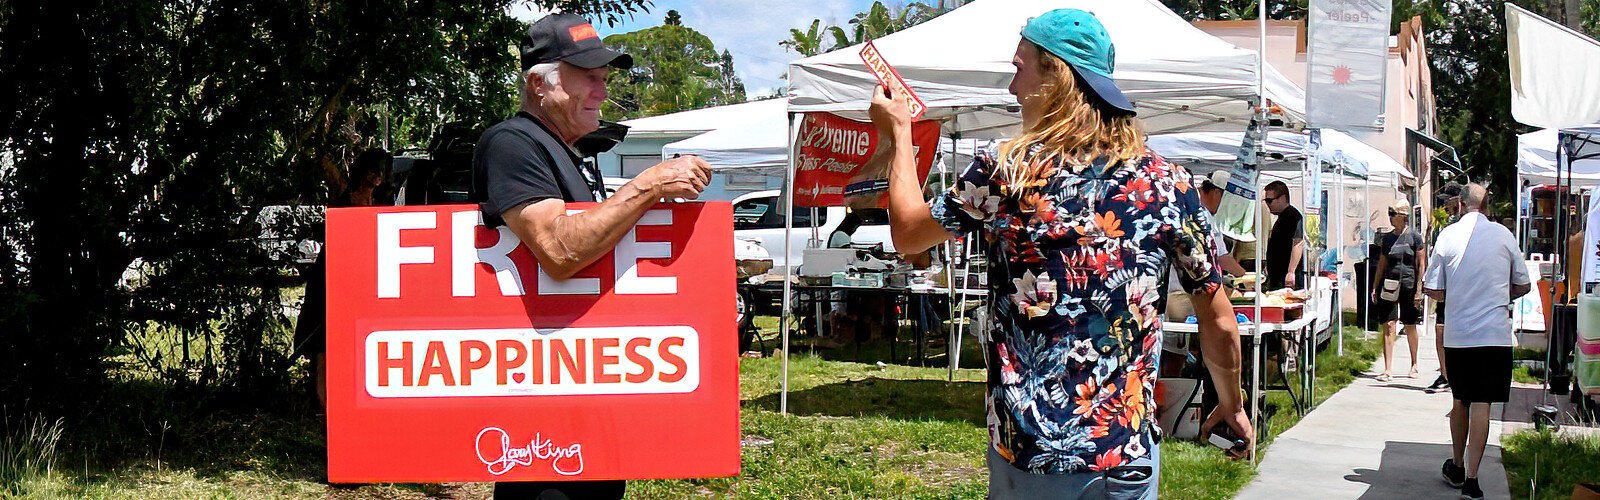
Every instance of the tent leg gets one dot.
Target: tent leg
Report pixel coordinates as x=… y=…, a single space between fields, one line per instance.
x=788 y=272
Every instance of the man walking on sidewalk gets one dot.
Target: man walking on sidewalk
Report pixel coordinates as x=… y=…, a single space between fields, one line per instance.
x=1476 y=270
x=1449 y=199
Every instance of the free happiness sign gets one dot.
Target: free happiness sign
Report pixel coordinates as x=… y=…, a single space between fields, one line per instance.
x=453 y=357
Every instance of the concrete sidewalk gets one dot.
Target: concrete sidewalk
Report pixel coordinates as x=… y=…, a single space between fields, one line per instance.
x=1375 y=440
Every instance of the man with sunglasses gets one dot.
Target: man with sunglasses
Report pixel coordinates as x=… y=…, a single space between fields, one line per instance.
x=1286 y=244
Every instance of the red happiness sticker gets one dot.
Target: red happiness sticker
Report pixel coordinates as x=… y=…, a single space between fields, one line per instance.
x=890 y=78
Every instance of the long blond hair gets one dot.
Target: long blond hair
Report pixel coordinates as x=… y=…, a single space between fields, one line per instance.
x=1071 y=128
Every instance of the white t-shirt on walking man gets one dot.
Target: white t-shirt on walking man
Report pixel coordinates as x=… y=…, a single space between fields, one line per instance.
x=1475 y=262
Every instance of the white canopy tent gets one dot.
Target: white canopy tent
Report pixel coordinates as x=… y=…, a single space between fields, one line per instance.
x=760 y=144
x=1536 y=160
x=1182 y=80
x=700 y=121
x=1206 y=151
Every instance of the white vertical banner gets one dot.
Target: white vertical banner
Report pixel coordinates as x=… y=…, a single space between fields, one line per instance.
x=1553 y=78
x=1348 y=48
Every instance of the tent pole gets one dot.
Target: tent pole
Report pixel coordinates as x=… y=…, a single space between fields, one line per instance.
x=952 y=338
x=1338 y=258
x=1366 y=245
x=788 y=268
x=1261 y=216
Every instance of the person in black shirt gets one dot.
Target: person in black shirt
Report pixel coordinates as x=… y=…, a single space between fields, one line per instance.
x=1287 y=243
x=1397 y=268
x=526 y=168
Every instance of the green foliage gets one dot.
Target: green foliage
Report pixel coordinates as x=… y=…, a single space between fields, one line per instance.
x=143 y=137
x=1546 y=465
x=27 y=452
x=1233 y=10
x=807 y=43
x=675 y=68
x=877 y=21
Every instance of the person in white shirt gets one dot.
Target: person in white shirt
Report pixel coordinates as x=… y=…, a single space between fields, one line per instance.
x=1477 y=271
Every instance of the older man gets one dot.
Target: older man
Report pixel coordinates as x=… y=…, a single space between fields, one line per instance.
x=526 y=169
x=1477 y=271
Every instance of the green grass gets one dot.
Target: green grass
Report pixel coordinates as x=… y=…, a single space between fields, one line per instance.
x=855 y=429
x=1546 y=465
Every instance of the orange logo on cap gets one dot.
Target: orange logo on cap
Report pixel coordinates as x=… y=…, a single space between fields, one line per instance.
x=583 y=32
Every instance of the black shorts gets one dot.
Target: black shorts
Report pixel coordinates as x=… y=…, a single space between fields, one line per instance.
x=1438 y=314
x=1405 y=309
x=1479 y=374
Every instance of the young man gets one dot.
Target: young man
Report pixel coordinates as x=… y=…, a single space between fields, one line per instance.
x=526 y=168
x=1286 y=245
x=1477 y=271
x=1081 y=222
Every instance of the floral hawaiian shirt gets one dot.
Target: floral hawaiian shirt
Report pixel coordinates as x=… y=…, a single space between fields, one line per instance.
x=1078 y=262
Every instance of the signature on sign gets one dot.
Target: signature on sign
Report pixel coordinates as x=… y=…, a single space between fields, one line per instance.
x=496 y=452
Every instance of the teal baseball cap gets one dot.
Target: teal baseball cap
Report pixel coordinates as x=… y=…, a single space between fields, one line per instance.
x=1078 y=38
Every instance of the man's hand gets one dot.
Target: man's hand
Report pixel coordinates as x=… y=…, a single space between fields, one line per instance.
x=1288 y=280
x=681 y=177
x=1236 y=420
x=1418 y=298
x=890 y=114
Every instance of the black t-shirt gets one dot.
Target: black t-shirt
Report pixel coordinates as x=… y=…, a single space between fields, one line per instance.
x=520 y=160
x=1288 y=229
x=1402 y=250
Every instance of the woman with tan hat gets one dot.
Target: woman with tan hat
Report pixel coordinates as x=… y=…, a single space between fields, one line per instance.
x=1397 y=296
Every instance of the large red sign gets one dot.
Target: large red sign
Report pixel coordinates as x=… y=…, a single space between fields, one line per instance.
x=453 y=357
x=843 y=162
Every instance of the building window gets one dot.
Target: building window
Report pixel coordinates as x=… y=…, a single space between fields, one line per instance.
x=632 y=165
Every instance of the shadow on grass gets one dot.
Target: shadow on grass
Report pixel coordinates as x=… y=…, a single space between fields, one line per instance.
x=138 y=427
x=888 y=398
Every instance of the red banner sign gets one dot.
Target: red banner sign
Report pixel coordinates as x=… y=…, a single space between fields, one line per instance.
x=453 y=357
x=843 y=162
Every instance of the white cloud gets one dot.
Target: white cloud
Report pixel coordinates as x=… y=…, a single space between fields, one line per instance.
x=525 y=11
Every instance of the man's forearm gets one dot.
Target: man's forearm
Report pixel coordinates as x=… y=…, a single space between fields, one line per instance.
x=565 y=244
x=1295 y=254
x=1517 y=291
x=911 y=226
x=1219 y=343
x=1230 y=265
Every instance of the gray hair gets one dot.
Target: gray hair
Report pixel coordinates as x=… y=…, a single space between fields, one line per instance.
x=549 y=72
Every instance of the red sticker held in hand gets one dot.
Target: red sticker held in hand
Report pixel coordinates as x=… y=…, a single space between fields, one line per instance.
x=890 y=78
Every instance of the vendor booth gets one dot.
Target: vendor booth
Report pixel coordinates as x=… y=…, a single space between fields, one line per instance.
x=1557 y=172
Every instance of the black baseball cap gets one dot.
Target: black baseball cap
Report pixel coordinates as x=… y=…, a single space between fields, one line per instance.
x=571 y=39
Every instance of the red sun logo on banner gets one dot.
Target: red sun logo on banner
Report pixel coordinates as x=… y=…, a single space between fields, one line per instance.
x=1341 y=75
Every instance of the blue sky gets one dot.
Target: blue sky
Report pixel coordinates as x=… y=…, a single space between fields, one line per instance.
x=750 y=29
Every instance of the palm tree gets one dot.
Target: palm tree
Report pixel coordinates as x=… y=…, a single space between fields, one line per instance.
x=806 y=43
x=879 y=20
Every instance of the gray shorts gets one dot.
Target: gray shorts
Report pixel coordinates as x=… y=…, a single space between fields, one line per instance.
x=1006 y=481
